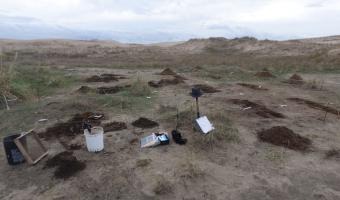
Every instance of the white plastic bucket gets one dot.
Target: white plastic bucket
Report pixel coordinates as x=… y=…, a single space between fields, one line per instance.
x=95 y=139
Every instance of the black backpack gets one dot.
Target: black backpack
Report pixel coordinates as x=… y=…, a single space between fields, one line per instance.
x=178 y=137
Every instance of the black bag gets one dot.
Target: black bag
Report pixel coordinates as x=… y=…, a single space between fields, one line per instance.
x=178 y=137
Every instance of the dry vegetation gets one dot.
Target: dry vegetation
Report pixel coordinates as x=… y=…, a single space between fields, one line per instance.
x=48 y=79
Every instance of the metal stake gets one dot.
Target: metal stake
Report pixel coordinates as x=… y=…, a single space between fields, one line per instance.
x=198 y=111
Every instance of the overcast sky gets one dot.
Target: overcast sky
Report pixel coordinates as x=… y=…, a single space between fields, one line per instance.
x=151 y=21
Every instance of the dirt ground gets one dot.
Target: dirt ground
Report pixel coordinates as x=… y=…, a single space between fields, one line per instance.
x=242 y=168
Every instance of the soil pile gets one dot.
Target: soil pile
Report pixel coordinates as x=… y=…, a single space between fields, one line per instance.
x=72 y=127
x=282 y=136
x=198 y=68
x=114 y=126
x=68 y=165
x=207 y=89
x=167 y=71
x=105 y=79
x=180 y=77
x=85 y=89
x=215 y=77
x=265 y=74
x=109 y=90
x=144 y=123
x=315 y=105
x=260 y=110
x=165 y=82
x=295 y=79
x=101 y=90
x=254 y=87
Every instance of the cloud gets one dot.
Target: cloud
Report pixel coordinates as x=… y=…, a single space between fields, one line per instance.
x=152 y=20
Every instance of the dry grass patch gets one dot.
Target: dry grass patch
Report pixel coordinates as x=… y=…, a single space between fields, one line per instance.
x=189 y=169
x=163 y=186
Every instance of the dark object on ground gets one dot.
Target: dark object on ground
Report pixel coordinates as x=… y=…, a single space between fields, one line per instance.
x=260 y=110
x=177 y=137
x=144 y=123
x=72 y=127
x=167 y=71
x=254 y=87
x=68 y=165
x=207 y=89
x=114 y=126
x=282 y=136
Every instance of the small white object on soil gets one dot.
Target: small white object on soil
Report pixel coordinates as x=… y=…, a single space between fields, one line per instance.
x=41 y=120
x=246 y=108
x=148 y=97
x=259 y=86
x=241 y=93
x=282 y=105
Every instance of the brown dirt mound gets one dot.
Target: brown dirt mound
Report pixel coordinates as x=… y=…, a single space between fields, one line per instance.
x=105 y=79
x=265 y=74
x=260 y=110
x=101 y=90
x=144 y=123
x=167 y=71
x=71 y=127
x=114 y=126
x=85 y=89
x=68 y=165
x=207 y=89
x=109 y=90
x=295 y=79
x=254 y=87
x=165 y=82
x=282 y=136
x=315 y=105
x=198 y=68
x=180 y=77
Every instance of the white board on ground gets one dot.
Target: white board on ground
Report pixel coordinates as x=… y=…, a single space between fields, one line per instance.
x=204 y=124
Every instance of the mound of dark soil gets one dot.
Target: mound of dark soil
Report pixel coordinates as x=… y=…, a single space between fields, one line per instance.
x=282 y=136
x=68 y=165
x=315 y=105
x=260 y=110
x=180 y=77
x=144 y=123
x=72 y=127
x=254 y=87
x=109 y=90
x=102 y=79
x=265 y=74
x=167 y=71
x=165 y=82
x=295 y=79
x=85 y=89
x=207 y=89
x=198 y=68
x=114 y=126
x=215 y=76
x=102 y=90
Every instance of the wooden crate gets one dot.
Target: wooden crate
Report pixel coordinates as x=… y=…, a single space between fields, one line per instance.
x=24 y=151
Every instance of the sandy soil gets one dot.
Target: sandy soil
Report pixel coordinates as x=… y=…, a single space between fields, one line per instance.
x=243 y=169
